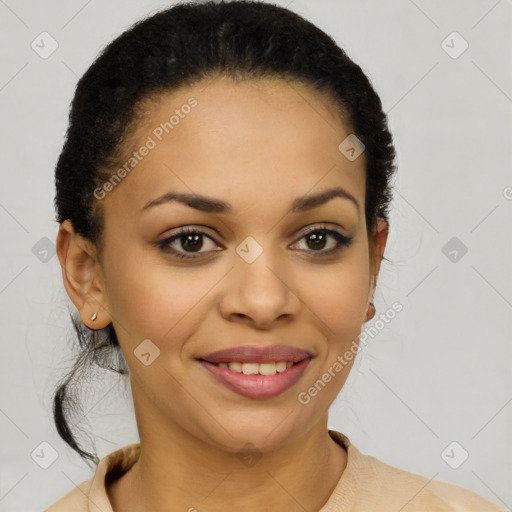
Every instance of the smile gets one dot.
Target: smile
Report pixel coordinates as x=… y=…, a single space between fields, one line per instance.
x=253 y=380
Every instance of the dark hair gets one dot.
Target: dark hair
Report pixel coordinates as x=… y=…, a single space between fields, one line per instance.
x=180 y=46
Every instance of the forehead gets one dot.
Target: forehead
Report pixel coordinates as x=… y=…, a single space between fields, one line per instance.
x=224 y=138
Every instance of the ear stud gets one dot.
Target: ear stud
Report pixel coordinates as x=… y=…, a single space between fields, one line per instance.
x=93 y=317
x=371 y=311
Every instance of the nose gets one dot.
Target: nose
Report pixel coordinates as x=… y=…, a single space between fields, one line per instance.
x=259 y=294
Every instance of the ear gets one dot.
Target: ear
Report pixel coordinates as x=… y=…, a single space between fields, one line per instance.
x=377 y=245
x=82 y=276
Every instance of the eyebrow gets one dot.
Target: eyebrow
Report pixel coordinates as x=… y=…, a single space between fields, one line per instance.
x=208 y=204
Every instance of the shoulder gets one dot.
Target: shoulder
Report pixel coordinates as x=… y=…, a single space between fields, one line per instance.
x=75 y=501
x=92 y=495
x=417 y=492
x=375 y=485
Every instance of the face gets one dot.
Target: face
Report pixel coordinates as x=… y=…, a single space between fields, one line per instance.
x=255 y=263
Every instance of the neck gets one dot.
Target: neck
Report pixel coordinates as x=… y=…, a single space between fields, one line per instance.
x=181 y=472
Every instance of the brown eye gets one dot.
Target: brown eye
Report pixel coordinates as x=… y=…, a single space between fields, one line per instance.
x=188 y=243
x=316 y=240
x=322 y=241
x=191 y=243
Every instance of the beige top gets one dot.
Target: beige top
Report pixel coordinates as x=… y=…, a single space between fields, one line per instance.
x=366 y=485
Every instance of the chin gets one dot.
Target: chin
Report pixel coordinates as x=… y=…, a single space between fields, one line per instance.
x=266 y=432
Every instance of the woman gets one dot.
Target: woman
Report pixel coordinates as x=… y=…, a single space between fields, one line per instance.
x=223 y=199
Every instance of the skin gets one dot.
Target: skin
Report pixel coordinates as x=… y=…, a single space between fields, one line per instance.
x=258 y=145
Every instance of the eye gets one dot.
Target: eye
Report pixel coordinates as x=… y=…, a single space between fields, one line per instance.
x=322 y=240
x=191 y=242
x=188 y=243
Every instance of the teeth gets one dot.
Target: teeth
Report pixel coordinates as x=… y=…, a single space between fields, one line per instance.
x=255 y=368
x=282 y=365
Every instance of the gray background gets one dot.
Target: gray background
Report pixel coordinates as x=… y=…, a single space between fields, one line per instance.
x=438 y=373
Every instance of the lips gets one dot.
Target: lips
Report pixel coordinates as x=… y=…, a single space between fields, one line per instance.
x=254 y=354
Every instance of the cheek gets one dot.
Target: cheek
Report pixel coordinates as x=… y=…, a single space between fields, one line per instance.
x=154 y=300
x=338 y=295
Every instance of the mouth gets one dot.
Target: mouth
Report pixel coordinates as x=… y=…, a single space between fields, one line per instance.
x=257 y=372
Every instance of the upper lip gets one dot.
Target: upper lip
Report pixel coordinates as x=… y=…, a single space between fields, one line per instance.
x=255 y=354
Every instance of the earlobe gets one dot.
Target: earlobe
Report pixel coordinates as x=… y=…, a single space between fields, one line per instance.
x=81 y=276
x=370 y=312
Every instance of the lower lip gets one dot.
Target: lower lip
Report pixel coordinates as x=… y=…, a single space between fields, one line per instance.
x=258 y=386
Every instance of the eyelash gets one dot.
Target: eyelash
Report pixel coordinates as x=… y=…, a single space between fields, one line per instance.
x=164 y=245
